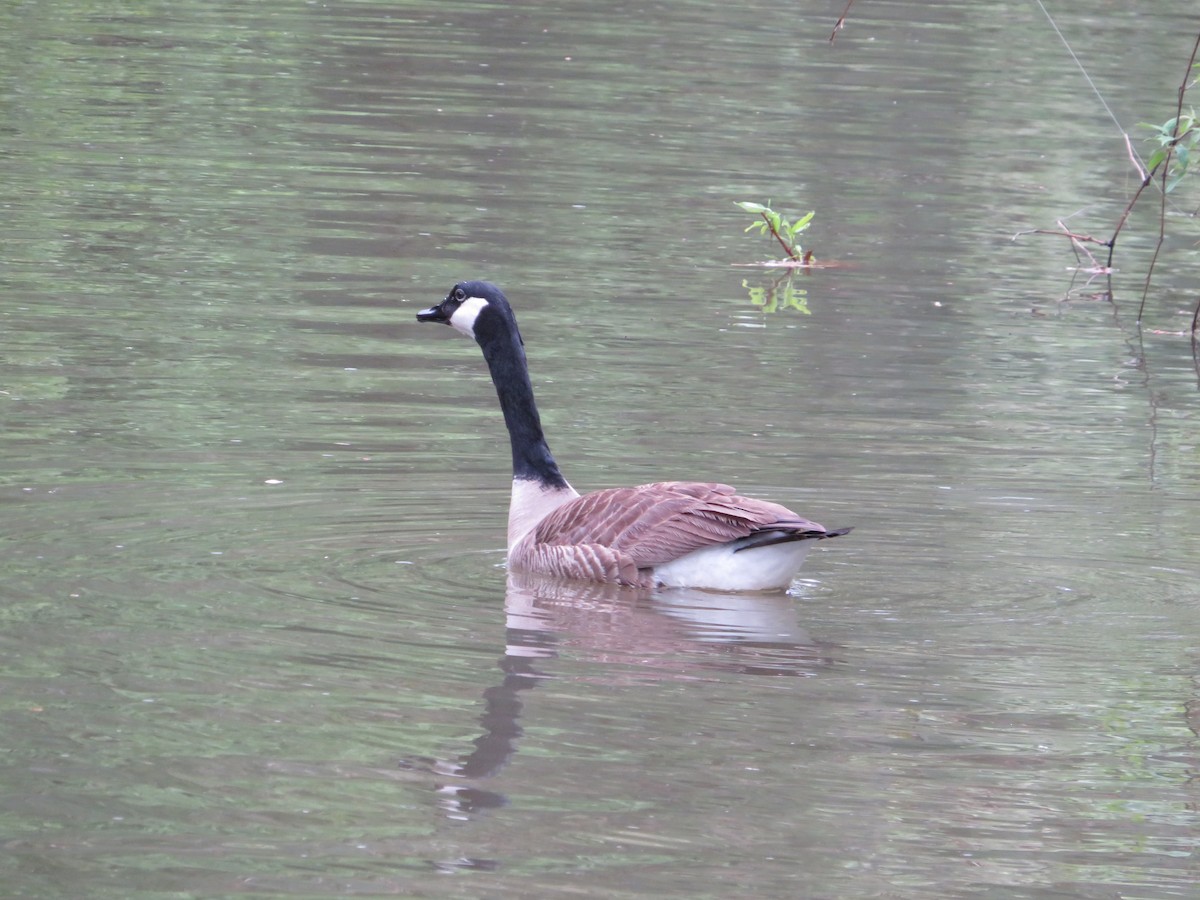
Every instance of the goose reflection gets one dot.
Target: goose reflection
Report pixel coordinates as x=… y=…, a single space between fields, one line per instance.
x=647 y=636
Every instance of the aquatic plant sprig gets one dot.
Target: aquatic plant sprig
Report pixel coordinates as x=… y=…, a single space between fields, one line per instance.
x=782 y=229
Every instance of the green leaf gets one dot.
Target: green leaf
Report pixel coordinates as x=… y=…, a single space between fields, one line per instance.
x=751 y=207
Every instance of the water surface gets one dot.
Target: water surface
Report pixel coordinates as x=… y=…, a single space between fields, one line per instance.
x=256 y=630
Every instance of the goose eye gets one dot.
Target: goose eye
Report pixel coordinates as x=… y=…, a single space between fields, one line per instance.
x=460 y=295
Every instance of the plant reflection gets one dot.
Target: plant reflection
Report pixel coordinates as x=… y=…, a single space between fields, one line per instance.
x=779 y=294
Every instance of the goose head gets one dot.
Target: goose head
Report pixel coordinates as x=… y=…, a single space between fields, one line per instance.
x=477 y=309
x=480 y=310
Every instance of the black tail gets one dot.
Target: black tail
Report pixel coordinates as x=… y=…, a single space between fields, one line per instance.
x=767 y=537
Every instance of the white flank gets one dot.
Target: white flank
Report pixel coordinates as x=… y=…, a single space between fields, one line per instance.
x=718 y=568
x=464 y=317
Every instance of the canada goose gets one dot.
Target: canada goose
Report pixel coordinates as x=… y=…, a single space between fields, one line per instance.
x=668 y=534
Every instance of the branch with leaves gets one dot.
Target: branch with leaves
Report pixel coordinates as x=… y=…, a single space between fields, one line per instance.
x=1178 y=142
x=784 y=231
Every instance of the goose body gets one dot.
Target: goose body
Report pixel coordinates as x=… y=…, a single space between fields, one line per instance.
x=668 y=534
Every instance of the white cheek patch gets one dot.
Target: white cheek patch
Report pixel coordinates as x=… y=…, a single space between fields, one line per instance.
x=464 y=317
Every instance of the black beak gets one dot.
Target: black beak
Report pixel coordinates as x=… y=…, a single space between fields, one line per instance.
x=433 y=314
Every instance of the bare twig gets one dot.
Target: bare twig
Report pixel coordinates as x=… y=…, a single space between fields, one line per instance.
x=1165 y=164
x=1162 y=228
x=1146 y=179
x=1078 y=244
x=1133 y=158
x=841 y=22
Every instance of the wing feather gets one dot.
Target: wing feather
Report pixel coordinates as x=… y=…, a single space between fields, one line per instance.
x=651 y=525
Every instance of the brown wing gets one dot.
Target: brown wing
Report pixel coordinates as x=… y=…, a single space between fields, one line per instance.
x=656 y=523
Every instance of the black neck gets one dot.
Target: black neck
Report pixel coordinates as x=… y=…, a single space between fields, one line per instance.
x=531 y=457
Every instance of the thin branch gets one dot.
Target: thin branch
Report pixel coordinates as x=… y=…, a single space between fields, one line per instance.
x=1087 y=238
x=1078 y=242
x=1133 y=158
x=1166 y=168
x=1146 y=179
x=1162 y=230
x=841 y=22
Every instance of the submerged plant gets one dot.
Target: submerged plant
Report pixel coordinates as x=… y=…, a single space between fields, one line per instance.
x=786 y=232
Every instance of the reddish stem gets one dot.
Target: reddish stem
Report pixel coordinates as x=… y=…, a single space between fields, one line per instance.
x=782 y=243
